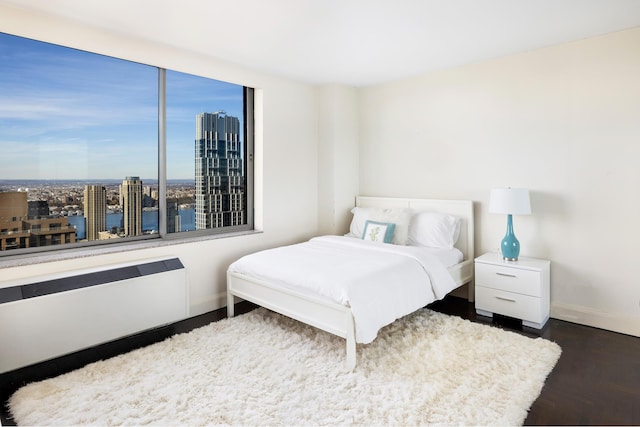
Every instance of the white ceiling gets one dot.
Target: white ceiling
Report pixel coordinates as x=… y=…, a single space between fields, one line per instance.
x=353 y=42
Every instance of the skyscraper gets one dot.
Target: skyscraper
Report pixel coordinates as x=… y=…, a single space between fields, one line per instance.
x=132 y=205
x=219 y=171
x=95 y=210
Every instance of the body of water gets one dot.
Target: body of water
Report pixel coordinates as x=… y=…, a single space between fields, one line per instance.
x=149 y=221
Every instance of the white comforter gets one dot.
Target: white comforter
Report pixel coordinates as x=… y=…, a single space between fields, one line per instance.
x=380 y=282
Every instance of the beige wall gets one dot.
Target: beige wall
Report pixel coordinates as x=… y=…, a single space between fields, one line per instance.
x=562 y=121
x=286 y=158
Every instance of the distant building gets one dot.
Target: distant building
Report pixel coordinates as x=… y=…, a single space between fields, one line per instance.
x=174 y=222
x=50 y=231
x=147 y=201
x=131 y=194
x=95 y=210
x=219 y=172
x=105 y=235
x=37 y=208
x=19 y=230
x=13 y=211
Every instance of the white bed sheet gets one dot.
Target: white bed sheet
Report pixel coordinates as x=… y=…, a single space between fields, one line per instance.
x=448 y=257
x=380 y=282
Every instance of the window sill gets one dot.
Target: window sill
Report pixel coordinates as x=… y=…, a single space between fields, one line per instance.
x=61 y=255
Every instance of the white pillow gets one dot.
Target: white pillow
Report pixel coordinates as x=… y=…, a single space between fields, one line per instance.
x=398 y=216
x=434 y=229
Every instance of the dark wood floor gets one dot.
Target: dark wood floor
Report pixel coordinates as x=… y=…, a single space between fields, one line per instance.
x=596 y=380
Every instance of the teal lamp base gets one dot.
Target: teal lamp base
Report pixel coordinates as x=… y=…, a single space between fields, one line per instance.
x=510 y=246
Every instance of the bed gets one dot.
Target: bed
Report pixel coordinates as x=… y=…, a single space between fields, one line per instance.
x=263 y=279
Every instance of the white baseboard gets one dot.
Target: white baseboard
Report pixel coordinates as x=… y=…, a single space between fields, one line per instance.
x=589 y=317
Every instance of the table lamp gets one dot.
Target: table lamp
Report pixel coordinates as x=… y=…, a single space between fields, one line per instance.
x=510 y=201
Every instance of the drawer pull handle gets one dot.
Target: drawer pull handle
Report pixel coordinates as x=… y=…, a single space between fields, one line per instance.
x=506 y=275
x=506 y=299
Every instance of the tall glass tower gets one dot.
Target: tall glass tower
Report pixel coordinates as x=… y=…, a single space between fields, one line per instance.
x=131 y=194
x=95 y=210
x=219 y=171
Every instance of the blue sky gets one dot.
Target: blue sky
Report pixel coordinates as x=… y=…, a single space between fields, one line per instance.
x=69 y=114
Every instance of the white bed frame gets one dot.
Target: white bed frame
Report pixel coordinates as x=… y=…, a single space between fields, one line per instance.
x=337 y=318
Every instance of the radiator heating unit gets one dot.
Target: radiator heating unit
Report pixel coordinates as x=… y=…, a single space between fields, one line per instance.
x=46 y=317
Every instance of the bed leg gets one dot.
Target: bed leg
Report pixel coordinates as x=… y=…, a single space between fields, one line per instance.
x=350 y=363
x=351 y=355
x=230 y=306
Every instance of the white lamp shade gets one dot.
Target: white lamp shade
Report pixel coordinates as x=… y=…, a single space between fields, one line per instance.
x=513 y=201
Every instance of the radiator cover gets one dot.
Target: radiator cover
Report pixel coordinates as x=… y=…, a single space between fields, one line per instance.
x=59 y=314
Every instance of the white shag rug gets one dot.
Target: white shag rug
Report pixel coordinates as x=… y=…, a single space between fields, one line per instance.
x=265 y=369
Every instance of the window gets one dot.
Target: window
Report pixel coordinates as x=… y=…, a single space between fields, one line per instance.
x=97 y=150
x=212 y=112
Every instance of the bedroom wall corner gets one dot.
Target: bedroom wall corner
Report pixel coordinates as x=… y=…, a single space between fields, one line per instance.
x=561 y=121
x=338 y=153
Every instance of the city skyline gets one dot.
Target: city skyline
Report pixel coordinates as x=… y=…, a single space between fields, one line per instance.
x=70 y=115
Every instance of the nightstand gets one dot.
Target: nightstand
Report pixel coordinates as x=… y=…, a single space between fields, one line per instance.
x=519 y=289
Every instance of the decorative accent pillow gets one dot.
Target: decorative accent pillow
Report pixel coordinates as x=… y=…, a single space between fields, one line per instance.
x=398 y=216
x=378 y=231
x=434 y=229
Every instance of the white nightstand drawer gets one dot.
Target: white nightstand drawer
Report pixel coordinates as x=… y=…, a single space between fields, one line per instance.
x=523 y=307
x=508 y=279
